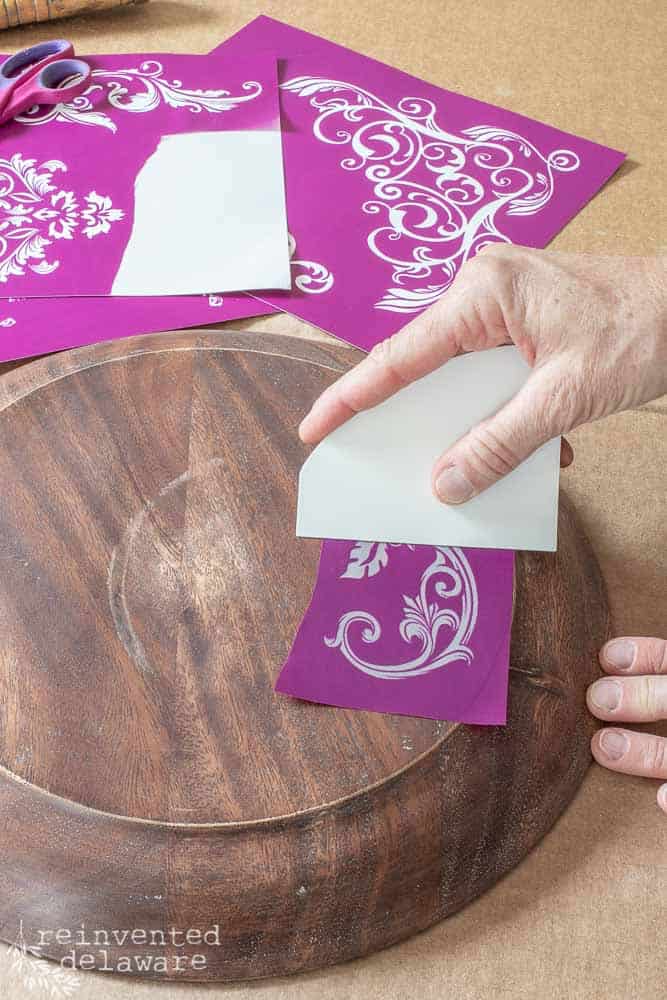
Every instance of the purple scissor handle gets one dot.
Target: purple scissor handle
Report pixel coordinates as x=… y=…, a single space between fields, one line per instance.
x=42 y=74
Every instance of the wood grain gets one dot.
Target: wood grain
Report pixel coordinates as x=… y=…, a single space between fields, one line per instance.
x=151 y=585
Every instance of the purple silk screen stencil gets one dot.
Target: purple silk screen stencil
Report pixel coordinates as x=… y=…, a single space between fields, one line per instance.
x=392 y=183
x=407 y=629
x=68 y=171
x=33 y=326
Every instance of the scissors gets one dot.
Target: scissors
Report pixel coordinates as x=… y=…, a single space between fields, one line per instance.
x=42 y=74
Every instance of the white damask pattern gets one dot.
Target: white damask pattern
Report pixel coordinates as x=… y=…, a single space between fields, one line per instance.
x=34 y=213
x=439 y=194
x=136 y=90
x=441 y=630
x=314 y=278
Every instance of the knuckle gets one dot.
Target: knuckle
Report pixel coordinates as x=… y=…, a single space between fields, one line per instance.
x=497 y=251
x=428 y=330
x=561 y=406
x=646 y=696
x=656 y=656
x=469 y=328
x=342 y=391
x=489 y=457
x=381 y=351
x=654 y=755
x=494 y=265
x=351 y=390
x=387 y=356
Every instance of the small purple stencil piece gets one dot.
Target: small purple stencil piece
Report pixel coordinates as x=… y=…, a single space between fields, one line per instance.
x=67 y=171
x=54 y=158
x=411 y=630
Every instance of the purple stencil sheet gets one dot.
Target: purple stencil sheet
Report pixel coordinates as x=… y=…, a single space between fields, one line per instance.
x=67 y=172
x=411 y=630
x=392 y=184
x=39 y=326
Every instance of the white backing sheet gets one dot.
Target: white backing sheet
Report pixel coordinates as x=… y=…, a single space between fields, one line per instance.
x=209 y=216
x=370 y=480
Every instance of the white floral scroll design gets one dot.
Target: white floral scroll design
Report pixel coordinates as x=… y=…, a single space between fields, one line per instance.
x=137 y=90
x=311 y=277
x=439 y=619
x=34 y=213
x=440 y=195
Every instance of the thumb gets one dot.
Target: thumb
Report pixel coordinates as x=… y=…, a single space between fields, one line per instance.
x=498 y=444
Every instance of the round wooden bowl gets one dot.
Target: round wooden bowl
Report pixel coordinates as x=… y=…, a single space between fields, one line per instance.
x=150 y=778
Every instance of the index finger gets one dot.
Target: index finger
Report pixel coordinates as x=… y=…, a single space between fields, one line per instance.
x=419 y=348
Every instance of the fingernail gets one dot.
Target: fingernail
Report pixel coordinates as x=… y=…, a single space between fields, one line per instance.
x=614 y=744
x=453 y=487
x=662 y=797
x=620 y=654
x=606 y=695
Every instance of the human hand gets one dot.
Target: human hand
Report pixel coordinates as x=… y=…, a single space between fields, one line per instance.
x=593 y=329
x=636 y=693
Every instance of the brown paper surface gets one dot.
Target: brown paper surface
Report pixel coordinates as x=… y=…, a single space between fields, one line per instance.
x=584 y=915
